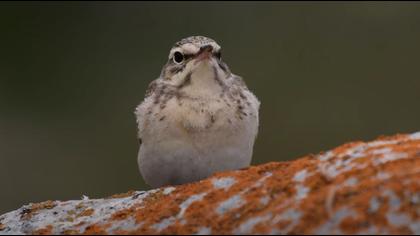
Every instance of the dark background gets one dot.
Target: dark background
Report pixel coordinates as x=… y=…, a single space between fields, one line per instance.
x=72 y=73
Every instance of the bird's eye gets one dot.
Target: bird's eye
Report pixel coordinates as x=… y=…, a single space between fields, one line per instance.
x=218 y=55
x=178 y=57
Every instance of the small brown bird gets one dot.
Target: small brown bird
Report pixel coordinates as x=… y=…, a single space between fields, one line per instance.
x=197 y=118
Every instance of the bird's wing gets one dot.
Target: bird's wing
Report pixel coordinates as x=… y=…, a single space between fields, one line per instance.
x=143 y=109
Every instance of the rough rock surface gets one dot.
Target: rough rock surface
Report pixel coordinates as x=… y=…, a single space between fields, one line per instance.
x=359 y=187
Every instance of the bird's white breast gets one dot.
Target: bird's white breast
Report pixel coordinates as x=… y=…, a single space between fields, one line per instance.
x=192 y=137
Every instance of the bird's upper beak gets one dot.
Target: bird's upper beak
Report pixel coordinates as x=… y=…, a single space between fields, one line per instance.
x=204 y=53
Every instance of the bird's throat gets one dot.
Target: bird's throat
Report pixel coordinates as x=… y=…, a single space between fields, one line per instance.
x=204 y=81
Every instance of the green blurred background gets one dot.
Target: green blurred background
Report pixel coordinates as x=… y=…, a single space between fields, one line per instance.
x=72 y=73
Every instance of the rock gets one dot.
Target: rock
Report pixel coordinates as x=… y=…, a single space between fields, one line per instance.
x=356 y=188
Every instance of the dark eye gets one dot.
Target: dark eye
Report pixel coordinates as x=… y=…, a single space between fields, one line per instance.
x=218 y=55
x=178 y=57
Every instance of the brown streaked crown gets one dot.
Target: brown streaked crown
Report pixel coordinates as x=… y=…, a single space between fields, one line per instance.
x=198 y=40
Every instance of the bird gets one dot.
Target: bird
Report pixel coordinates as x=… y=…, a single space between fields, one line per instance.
x=197 y=118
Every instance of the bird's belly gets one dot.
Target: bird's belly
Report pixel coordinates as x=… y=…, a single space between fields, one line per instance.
x=187 y=157
x=194 y=141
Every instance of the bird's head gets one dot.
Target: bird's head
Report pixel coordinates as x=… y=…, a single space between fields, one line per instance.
x=194 y=57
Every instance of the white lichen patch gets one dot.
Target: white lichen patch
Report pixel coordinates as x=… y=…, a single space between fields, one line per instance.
x=394 y=215
x=393 y=200
x=233 y=202
x=128 y=224
x=342 y=163
x=355 y=152
x=331 y=165
x=301 y=192
x=292 y=216
x=374 y=204
x=390 y=156
x=414 y=198
x=415 y=228
x=223 y=183
x=259 y=183
x=203 y=231
x=351 y=182
x=248 y=225
x=265 y=200
x=187 y=203
x=168 y=190
x=331 y=169
x=179 y=217
x=165 y=223
x=301 y=176
x=326 y=156
x=383 y=175
x=69 y=215
x=381 y=151
x=332 y=226
x=398 y=219
x=415 y=136
x=373 y=230
x=382 y=143
x=237 y=201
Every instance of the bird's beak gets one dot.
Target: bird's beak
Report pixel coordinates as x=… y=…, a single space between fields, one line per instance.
x=204 y=53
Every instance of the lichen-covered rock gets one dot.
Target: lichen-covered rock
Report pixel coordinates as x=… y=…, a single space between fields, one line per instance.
x=363 y=188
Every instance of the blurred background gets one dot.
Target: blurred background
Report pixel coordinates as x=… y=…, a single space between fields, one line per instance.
x=71 y=75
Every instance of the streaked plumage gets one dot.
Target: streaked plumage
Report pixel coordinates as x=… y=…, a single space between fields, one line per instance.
x=196 y=119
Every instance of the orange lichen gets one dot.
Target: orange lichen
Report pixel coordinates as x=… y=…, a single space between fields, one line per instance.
x=355 y=188
x=123 y=195
x=44 y=231
x=123 y=214
x=43 y=205
x=28 y=213
x=70 y=232
x=95 y=229
x=87 y=212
